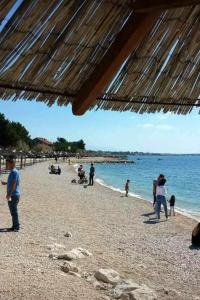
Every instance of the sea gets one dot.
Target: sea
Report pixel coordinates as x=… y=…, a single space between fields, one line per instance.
x=181 y=171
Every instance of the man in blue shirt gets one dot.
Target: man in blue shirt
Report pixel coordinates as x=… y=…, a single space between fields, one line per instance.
x=13 y=192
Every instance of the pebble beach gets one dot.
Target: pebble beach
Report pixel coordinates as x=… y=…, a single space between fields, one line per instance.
x=117 y=233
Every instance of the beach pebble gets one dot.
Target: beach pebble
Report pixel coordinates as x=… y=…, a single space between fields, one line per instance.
x=70 y=267
x=74 y=254
x=74 y=274
x=129 y=290
x=68 y=234
x=123 y=287
x=141 y=293
x=107 y=276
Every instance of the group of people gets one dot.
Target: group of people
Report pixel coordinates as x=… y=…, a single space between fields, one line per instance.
x=81 y=174
x=55 y=170
x=13 y=193
x=159 y=197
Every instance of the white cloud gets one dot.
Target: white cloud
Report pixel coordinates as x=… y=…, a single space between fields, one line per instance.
x=165 y=127
x=160 y=126
x=162 y=117
x=147 y=125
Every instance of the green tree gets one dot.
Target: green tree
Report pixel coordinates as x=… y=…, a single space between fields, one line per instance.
x=11 y=133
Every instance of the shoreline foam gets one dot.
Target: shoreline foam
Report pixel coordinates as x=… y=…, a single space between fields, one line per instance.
x=190 y=214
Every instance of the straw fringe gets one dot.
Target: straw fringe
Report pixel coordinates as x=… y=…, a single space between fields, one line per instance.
x=53 y=46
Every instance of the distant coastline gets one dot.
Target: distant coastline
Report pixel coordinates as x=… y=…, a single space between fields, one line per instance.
x=127 y=153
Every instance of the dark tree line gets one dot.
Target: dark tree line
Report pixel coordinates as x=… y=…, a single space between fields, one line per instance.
x=15 y=135
x=63 y=145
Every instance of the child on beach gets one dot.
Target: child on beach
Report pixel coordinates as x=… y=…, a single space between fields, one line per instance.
x=127 y=187
x=171 y=204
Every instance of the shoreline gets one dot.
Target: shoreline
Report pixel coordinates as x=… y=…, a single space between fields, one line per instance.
x=119 y=232
x=192 y=215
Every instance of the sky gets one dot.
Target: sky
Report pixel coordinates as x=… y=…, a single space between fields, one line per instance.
x=106 y=130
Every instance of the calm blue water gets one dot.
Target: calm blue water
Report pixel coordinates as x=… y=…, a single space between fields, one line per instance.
x=182 y=174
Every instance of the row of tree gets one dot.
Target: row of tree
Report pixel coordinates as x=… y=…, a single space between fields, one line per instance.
x=14 y=135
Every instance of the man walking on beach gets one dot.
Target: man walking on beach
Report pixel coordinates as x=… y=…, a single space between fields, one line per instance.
x=92 y=171
x=13 y=193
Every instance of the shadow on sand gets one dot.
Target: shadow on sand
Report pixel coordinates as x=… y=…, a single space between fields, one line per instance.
x=148 y=214
x=153 y=221
x=4 y=230
x=193 y=247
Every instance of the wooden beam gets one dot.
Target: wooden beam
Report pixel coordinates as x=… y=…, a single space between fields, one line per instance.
x=152 y=5
x=127 y=40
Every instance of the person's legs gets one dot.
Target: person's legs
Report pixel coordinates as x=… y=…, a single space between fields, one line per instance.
x=158 y=205
x=172 y=210
x=154 y=200
x=164 y=203
x=92 y=180
x=14 y=211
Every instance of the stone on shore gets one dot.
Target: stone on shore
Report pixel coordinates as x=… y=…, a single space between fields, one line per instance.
x=123 y=287
x=74 y=254
x=141 y=293
x=107 y=276
x=129 y=290
x=68 y=234
x=70 y=267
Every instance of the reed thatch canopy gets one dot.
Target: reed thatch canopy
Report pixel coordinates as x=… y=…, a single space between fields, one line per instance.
x=138 y=55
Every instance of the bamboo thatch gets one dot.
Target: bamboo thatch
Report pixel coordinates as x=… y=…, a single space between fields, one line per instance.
x=49 y=48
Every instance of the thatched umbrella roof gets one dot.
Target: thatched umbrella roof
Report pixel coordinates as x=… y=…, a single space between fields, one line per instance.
x=49 y=49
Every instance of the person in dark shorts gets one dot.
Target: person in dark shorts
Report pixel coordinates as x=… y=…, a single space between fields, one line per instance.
x=92 y=171
x=13 y=193
x=172 y=204
x=127 y=187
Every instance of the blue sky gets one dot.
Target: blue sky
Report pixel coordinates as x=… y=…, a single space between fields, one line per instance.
x=104 y=130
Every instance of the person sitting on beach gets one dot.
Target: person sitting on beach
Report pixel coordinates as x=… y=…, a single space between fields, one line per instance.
x=160 y=198
x=171 y=204
x=81 y=173
x=52 y=169
x=127 y=187
x=79 y=170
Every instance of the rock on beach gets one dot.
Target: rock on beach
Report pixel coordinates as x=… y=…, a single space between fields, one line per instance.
x=107 y=276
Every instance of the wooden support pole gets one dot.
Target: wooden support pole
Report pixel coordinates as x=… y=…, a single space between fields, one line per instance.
x=152 y=5
x=127 y=40
x=21 y=164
